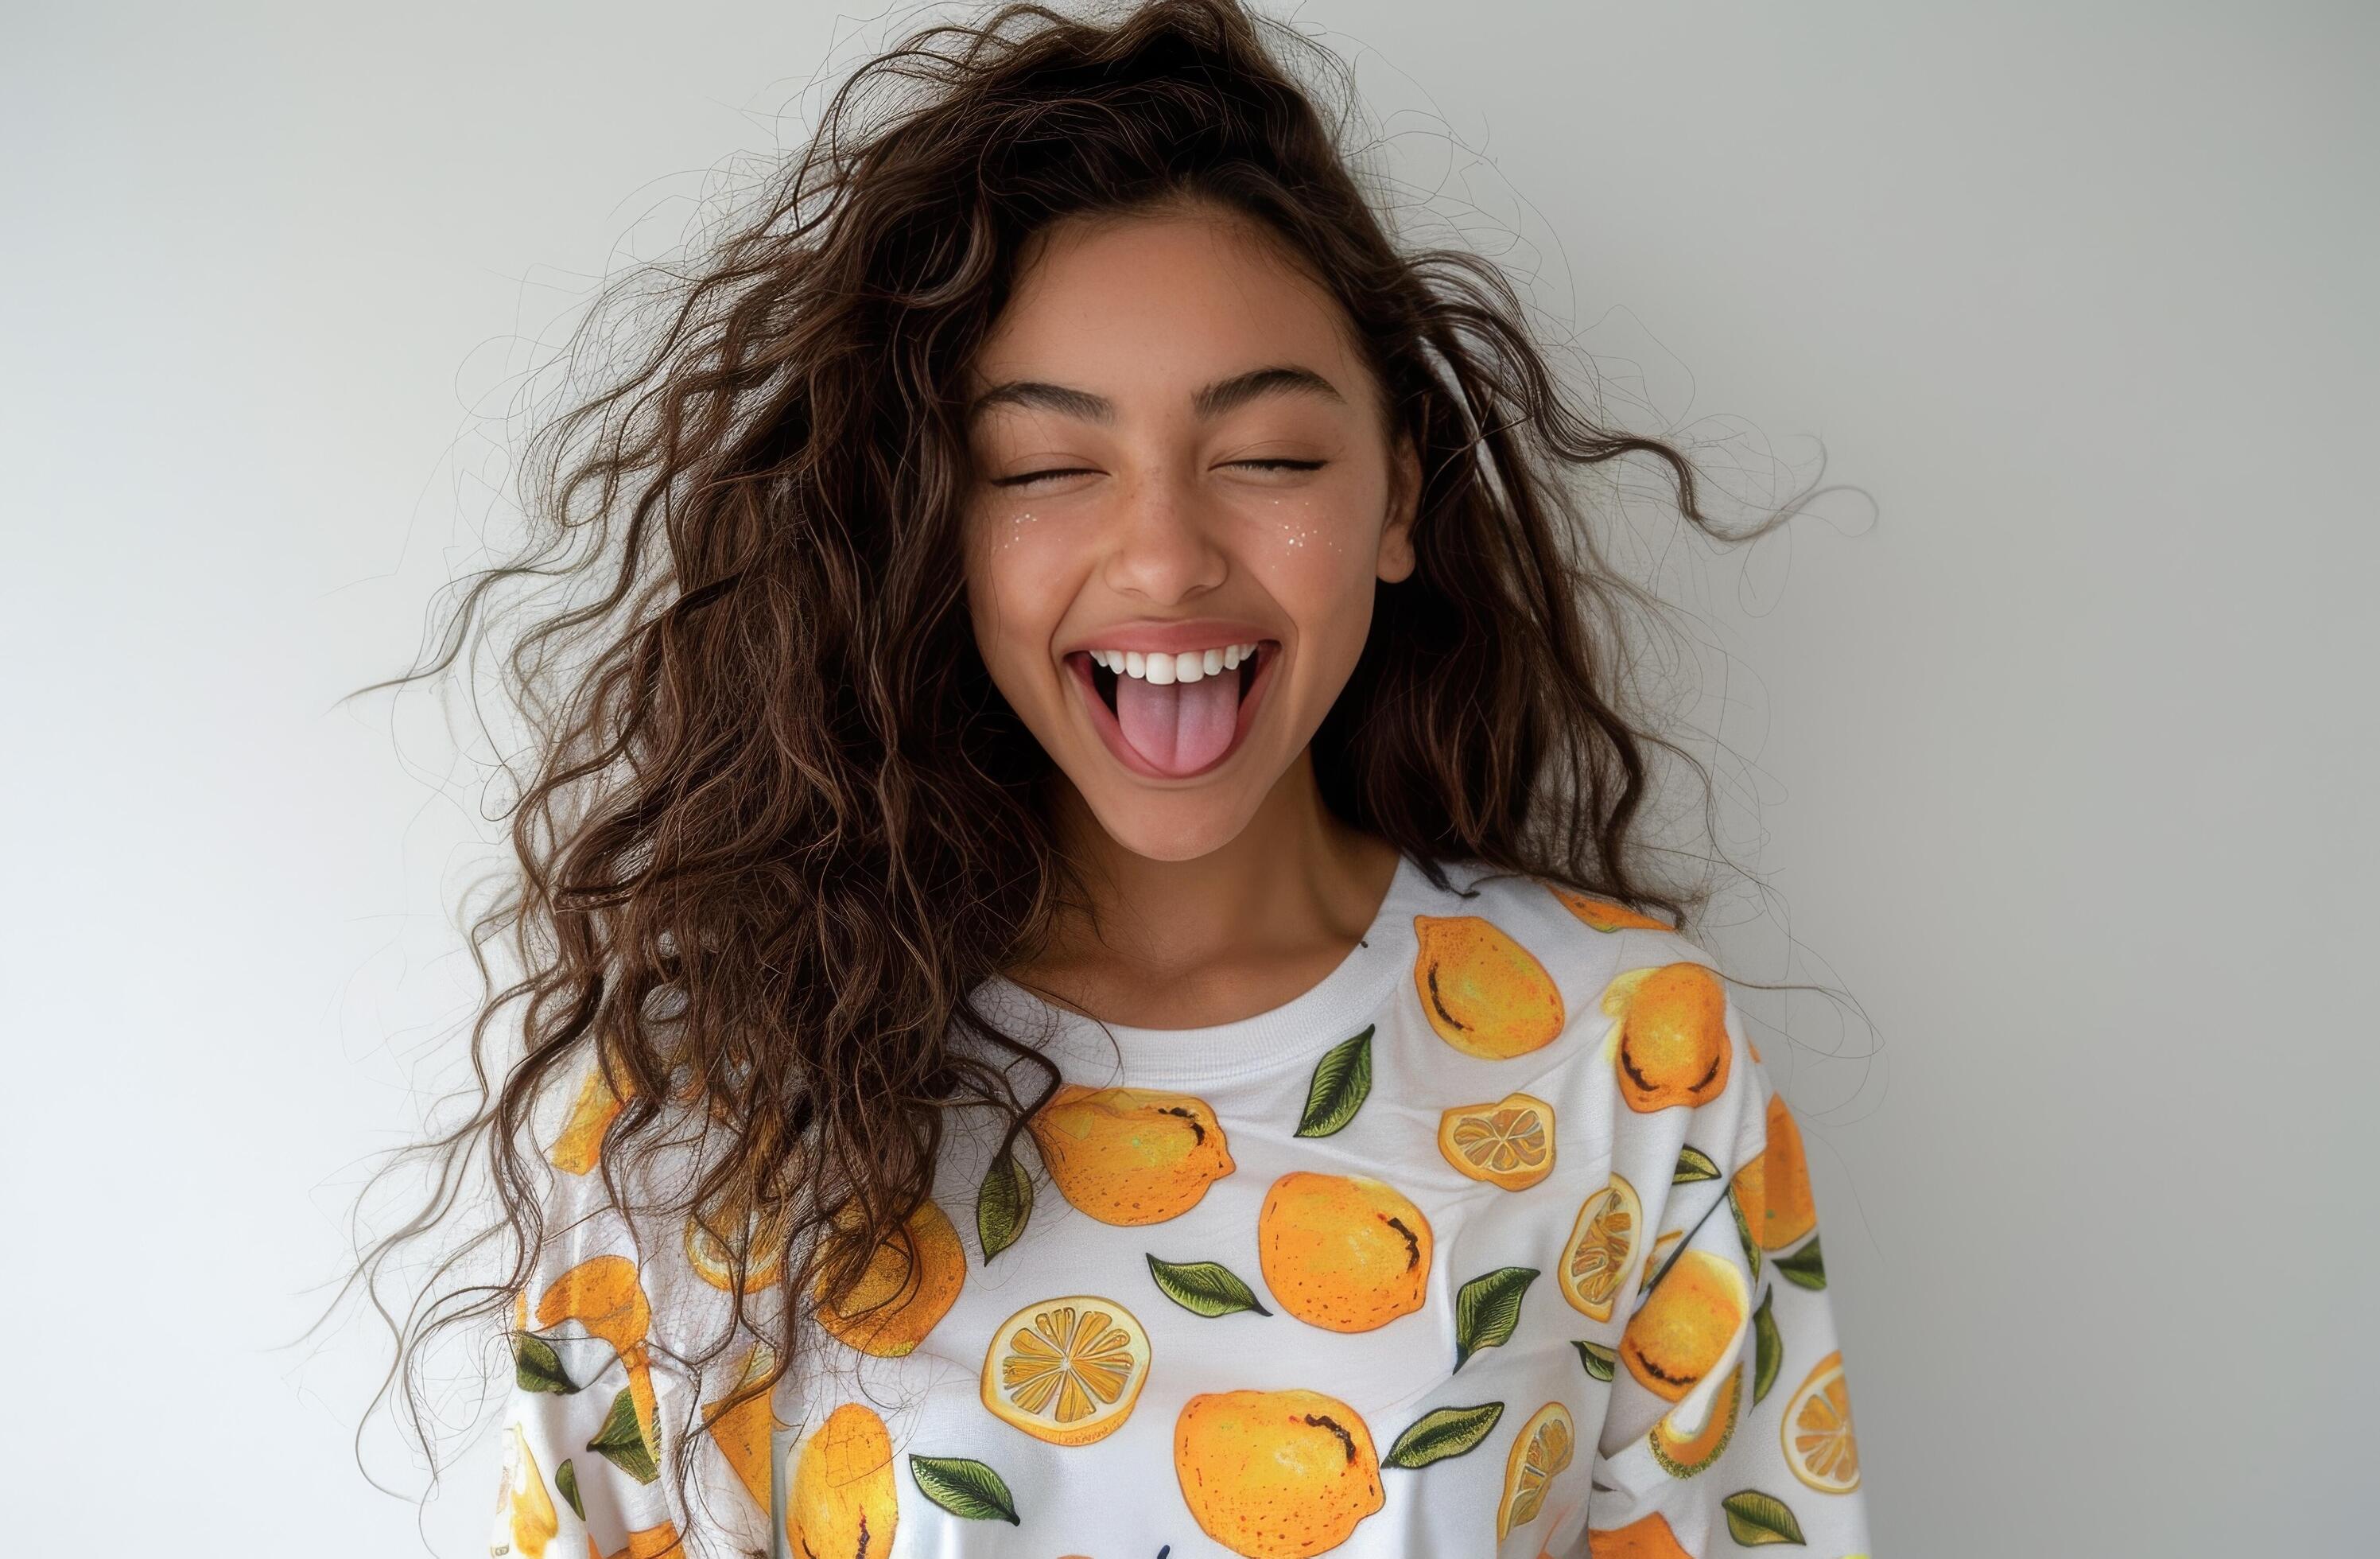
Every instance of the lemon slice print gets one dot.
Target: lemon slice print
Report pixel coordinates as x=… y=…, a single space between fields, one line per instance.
x=1509 y=1143
x=1602 y=1244
x=1541 y=1451
x=1819 y=1445
x=1066 y=1371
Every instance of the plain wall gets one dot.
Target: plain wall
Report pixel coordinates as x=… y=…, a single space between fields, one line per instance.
x=2056 y=757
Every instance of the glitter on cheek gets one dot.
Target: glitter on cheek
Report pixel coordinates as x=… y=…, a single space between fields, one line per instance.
x=1299 y=535
x=1011 y=536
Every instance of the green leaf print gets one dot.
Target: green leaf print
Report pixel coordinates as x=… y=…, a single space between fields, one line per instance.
x=1448 y=1432
x=1600 y=1361
x=1487 y=1307
x=565 y=1477
x=1342 y=1080
x=1208 y=1288
x=1768 y=1349
x=1805 y=1266
x=1743 y=1232
x=1755 y=1518
x=1694 y=1164
x=537 y=1367
x=1003 y=1203
x=621 y=1443
x=964 y=1486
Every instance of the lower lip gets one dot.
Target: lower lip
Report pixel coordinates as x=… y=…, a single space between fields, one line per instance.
x=1104 y=720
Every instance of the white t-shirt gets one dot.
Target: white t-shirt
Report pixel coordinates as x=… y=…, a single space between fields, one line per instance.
x=1497 y=1241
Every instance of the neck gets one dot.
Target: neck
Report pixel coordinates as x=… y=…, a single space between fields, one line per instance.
x=1242 y=924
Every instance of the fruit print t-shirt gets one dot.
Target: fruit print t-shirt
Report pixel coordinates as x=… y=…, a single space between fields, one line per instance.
x=1497 y=1241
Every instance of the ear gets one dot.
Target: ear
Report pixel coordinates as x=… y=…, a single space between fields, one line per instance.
x=1405 y=498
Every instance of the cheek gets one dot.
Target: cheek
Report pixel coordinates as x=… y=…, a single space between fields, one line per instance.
x=1316 y=549
x=1014 y=589
x=1001 y=536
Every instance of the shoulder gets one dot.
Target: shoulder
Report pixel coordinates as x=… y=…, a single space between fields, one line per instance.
x=1458 y=886
x=1580 y=940
x=1619 y=1001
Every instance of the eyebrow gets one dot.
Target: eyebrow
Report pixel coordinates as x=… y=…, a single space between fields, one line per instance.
x=1209 y=401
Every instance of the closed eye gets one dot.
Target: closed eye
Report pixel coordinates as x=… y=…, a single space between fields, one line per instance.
x=1037 y=476
x=1029 y=477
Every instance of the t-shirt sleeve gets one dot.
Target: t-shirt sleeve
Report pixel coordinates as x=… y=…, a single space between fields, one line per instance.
x=1730 y=1422
x=598 y=1397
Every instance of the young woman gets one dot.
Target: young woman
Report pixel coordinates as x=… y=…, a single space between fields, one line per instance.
x=1089 y=988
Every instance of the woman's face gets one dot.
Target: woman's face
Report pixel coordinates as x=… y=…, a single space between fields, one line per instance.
x=1178 y=455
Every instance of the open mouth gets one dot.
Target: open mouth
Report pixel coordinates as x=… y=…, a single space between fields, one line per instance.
x=1174 y=727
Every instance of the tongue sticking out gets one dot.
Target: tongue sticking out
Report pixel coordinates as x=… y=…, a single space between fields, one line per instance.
x=1182 y=727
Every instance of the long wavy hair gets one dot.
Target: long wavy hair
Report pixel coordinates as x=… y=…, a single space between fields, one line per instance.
x=776 y=824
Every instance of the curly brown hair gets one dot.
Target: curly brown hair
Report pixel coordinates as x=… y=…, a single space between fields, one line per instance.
x=779 y=824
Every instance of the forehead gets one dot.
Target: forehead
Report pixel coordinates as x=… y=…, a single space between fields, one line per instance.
x=1152 y=303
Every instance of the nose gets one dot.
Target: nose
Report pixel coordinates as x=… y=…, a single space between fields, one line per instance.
x=1163 y=542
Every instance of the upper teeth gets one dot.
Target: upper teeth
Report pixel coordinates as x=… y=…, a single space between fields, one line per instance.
x=1188 y=666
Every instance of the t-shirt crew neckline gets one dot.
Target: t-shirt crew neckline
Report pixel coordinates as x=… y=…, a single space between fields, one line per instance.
x=1323 y=1014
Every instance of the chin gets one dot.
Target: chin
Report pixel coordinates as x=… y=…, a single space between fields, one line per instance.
x=1172 y=827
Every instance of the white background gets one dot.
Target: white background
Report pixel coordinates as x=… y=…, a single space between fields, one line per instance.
x=2060 y=751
